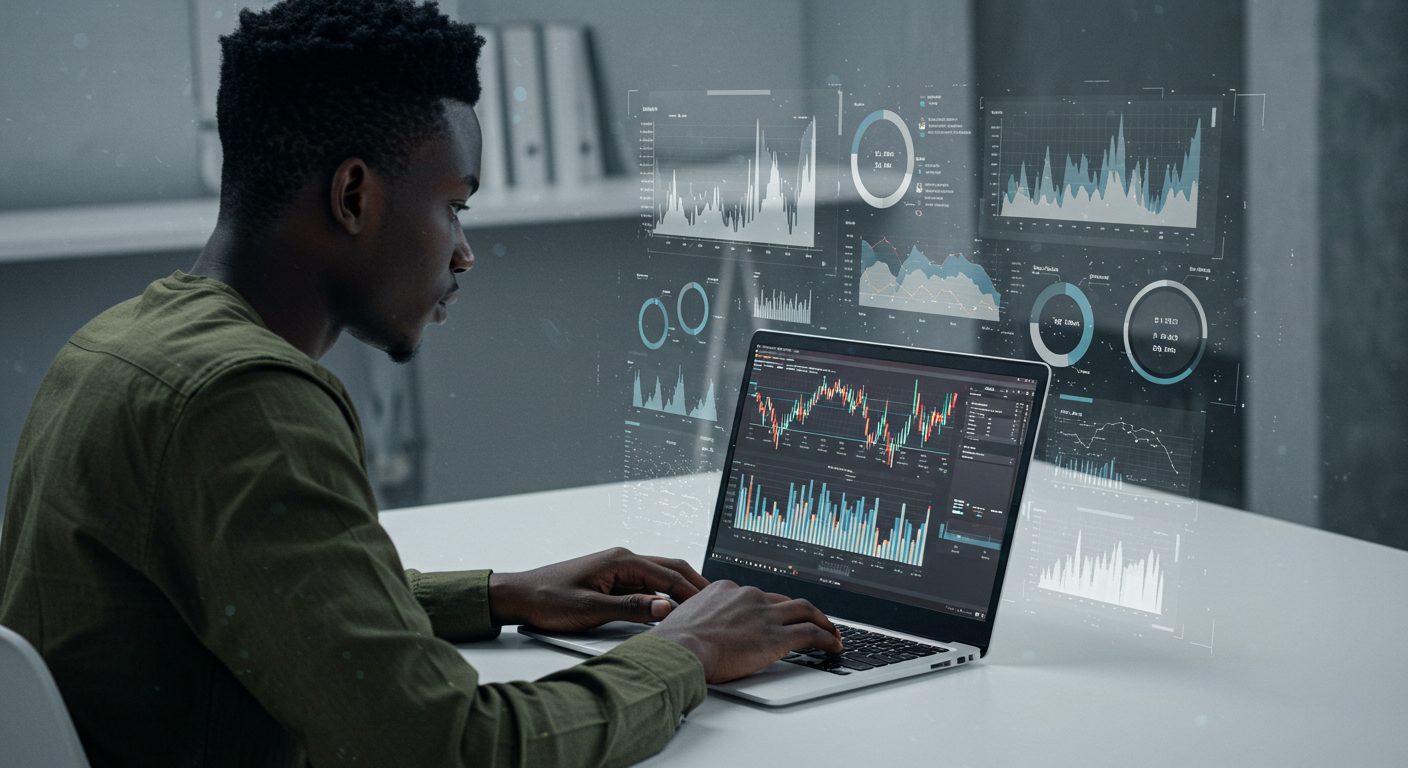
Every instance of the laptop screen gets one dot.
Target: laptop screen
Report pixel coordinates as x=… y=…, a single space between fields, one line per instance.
x=885 y=478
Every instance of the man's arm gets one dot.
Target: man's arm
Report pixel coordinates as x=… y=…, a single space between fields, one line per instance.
x=266 y=540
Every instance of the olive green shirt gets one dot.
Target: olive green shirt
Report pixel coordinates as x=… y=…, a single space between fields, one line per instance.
x=191 y=543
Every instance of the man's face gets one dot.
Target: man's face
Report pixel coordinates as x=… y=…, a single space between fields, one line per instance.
x=406 y=278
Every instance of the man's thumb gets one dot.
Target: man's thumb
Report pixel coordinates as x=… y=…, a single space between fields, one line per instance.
x=641 y=607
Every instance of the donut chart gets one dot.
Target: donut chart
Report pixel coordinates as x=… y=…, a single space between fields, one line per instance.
x=882 y=201
x=1165 y=332
x=1042 y=323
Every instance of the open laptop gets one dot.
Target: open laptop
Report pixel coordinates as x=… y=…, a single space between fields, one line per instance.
x=880 y=482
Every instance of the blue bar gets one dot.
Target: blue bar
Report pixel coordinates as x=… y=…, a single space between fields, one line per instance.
x=1078 y=399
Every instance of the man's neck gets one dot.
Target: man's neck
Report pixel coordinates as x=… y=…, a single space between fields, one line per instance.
x=279 y=280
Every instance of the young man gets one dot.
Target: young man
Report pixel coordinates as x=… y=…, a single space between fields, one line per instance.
x=190 y=539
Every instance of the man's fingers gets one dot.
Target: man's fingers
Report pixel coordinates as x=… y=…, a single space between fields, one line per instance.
x=808 y=635
x=656 y=577
x=681 y=567
x=798 y=611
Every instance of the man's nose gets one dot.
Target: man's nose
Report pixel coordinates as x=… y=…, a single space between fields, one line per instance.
x=462 y=260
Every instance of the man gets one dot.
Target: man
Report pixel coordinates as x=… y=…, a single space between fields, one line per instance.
x=190 y=538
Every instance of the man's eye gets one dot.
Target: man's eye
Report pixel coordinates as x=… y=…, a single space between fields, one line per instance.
x=457 y=208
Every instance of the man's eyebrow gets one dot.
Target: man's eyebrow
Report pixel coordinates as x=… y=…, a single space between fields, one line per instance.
x=472 y=182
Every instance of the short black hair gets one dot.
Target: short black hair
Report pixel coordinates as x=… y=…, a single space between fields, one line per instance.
x=306 y=84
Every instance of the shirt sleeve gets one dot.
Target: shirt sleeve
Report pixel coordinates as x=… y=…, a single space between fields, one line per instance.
x=266 y=540
x=457 y=603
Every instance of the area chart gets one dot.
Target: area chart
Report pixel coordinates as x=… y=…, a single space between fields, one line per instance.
x=762 y=198
x=675 y=402
x=1131 y=172
x=1109 y=577
x=954 y=286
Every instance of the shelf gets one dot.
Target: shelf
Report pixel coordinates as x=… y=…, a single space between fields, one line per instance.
x=184 y=225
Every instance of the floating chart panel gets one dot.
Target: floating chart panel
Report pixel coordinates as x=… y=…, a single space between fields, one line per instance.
x=783 y=307
x=742 y=168
x=651 y=394
x=915 y=281
x=1109 y=560
x=1124 y=447
x=1136 y=172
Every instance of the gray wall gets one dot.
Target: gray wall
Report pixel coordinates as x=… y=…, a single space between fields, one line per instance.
x=1363 y=132
x=96 y=106
x=1283 y=260
x=95 y=102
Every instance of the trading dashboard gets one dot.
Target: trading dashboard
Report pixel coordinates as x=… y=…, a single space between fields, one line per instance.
x=878 y=477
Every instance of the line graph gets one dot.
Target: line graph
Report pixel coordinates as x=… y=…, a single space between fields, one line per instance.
x=915 y=418
x=1125 y=446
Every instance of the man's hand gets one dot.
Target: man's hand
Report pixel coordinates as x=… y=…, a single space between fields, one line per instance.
x=736 y=631
x=576 y=595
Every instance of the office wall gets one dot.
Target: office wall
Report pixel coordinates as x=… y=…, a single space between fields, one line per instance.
x=96 y=107
x=1284 y=260
x=1363 y=134
x=96 y=102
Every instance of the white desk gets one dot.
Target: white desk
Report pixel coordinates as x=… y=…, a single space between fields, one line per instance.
x=1308 y=666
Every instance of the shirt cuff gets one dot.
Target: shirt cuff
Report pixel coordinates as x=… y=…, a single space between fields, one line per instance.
x=674 y=666
x=457 y=603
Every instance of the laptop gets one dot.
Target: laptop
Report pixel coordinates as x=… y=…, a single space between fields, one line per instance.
x=880 y=482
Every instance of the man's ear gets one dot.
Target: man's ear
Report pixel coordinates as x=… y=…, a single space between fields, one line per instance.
x=352 y=195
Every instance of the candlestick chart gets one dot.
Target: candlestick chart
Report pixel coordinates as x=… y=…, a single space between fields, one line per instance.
x=837 y=409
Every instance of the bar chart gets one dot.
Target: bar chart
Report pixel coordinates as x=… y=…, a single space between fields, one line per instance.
x=823 y=516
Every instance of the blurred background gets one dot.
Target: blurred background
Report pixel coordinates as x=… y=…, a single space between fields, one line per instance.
x=600 y=335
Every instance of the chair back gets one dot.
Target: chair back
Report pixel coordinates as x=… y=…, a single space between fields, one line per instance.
x=35 y=729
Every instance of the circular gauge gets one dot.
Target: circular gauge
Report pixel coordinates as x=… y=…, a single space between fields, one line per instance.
x=876 y=159
x=692 y=330
x=1062 y=325
x=1165 y=332
x=645 y=336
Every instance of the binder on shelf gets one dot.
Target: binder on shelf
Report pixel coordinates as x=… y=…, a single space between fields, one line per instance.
x=573 y=125
x=493 y=172
x=525 y=106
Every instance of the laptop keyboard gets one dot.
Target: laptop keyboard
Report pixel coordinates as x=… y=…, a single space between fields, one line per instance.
x=864 y=651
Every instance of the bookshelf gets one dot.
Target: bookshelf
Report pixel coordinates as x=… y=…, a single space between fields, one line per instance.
x=183 y=225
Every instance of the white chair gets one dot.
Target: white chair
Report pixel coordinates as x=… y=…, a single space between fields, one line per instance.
x=35 y=729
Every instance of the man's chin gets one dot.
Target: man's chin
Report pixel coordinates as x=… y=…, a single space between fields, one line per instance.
x=401 y=354
x=399 y=350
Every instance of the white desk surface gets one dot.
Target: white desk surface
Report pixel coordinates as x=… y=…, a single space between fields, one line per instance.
x=1308 y=664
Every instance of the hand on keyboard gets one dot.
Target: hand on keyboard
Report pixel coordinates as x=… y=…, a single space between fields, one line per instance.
x=736 y=631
